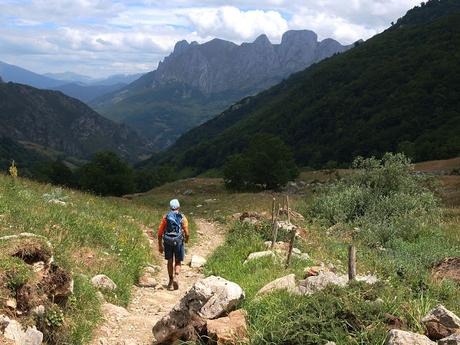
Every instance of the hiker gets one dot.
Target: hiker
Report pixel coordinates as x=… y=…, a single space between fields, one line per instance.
x=172 y=233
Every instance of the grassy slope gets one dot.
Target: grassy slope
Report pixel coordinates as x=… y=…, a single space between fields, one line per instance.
x=346 y=316
x=90 y=235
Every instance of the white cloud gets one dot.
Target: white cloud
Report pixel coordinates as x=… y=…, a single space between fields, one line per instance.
x=101 y=37
x=231 y=23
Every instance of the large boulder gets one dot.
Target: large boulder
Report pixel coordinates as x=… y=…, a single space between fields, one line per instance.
x=103 y=282
x=287 y=283
x=398 y=337
x=453 y=339
x=231 y=329
x=225 y=296
x=209 y=298
x=440 y=323
x=13 y=330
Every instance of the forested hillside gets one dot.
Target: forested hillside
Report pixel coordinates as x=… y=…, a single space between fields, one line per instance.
x=399 y=91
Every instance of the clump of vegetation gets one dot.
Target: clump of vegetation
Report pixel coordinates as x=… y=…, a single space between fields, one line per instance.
x=106 y=174
x=268 y=163
x=384 y=199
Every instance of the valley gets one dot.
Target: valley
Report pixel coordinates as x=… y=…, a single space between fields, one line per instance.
x=320 y=181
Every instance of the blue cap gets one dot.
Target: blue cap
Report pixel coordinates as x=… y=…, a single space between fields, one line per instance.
x=174 y=204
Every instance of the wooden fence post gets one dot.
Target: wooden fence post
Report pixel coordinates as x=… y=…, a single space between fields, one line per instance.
x=288 y=213
x=291 y=246
x=273 y=223
x=351 y=262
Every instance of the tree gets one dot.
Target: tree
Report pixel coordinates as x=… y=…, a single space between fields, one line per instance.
x=267 y=163
x=106 y=174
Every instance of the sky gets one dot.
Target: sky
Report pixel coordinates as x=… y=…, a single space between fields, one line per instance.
x=103 y=37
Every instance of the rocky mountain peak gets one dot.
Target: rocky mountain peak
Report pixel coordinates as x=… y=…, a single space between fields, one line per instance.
x=219 y=66
x=262 y=40
x=299 y=37
x=180 y=47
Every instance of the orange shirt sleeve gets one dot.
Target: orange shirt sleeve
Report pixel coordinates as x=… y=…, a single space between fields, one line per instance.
x=161 y=228
x=185 y=225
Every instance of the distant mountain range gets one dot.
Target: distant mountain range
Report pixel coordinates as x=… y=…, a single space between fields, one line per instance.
x=197 y=81
x=49 y=120
x=398 y=91
x=75 y=85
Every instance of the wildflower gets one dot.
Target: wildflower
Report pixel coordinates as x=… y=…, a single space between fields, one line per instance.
x=13 y=170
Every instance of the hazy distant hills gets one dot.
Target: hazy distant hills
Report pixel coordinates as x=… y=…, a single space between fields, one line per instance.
x=22 y=76
x=57 y=122
x=398 y=91
x=197 y=81
x=75 y=85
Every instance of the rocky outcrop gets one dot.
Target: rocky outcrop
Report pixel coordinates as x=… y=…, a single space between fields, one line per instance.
x=231 y=329
x=398 y=337
x=218 y=66
x=13 y=330
x=209 y=298
x=441 y=323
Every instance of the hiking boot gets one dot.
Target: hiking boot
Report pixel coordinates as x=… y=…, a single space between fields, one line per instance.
x=171 y=284
x=175 y=282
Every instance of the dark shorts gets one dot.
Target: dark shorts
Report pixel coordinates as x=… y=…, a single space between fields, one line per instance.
x=177 y=251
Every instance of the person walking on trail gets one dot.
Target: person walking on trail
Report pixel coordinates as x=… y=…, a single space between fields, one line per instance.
x=172 y=233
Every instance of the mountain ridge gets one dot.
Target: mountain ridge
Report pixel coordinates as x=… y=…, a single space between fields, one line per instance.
x=197 y=81
x=54 y=120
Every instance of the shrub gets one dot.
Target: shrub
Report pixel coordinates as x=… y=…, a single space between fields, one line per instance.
x=106 y=174
x=267 y=163
x=384 y=198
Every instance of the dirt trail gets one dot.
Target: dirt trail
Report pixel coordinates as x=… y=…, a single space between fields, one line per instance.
x=133 y=326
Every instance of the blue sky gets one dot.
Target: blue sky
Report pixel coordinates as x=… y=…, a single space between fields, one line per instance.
x=103 y=37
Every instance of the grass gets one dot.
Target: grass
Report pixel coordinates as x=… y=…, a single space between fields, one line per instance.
x=90 y=235
x=357 y=314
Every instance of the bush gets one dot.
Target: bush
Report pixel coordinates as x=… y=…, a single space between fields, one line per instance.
x=384 y=198
x=267 y=163
x=106 y=174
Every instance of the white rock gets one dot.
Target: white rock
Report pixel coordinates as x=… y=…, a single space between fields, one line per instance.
x=304 y=257
x=286 y=226
x=57 y=202
x=101 y=281
x=321 y=281
x=226 y=296
x=39 y=310
x=197 y=261
x=208 y=298
x=398 y=337
x=440 y=323
x=453 y=339
x=296 y=251
x=13 y=331
x=11 y=303
x=369 y=279
x=258 y=255
x=284 y=283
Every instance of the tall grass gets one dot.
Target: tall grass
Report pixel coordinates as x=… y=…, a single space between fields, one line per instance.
x=90 y=235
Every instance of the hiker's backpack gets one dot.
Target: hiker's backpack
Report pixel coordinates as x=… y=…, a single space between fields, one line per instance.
x=173 y=235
